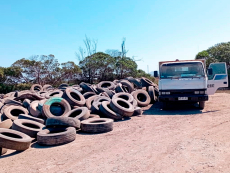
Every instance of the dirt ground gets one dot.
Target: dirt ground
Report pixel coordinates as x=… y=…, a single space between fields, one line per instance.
x=173 y=141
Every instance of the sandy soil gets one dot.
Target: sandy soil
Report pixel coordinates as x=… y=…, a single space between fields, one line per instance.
x=174 y=141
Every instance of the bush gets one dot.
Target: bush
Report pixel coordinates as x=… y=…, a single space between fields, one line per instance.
x=6 y=88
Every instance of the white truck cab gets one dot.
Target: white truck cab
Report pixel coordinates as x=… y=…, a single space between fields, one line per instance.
x=187 y=81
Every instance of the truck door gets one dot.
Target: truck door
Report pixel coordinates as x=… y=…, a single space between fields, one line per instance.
x=218 y=79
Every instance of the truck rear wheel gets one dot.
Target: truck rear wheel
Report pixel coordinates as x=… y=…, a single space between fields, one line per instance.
x=201 y=105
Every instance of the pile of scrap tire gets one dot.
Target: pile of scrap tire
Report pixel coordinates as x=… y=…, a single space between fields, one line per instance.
x=53 y=115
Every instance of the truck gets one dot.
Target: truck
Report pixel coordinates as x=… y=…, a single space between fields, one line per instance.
x=189 y=81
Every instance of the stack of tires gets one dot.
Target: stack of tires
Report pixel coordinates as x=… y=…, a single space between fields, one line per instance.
x=53 y=115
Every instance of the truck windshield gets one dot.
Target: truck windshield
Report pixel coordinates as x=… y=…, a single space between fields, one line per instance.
x=182 y=70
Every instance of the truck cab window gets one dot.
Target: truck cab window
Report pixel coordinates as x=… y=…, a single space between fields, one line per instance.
x=217 y=69
x=182 y=70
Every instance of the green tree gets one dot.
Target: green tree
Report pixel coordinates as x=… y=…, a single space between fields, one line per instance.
x=70 y=71
x=44 y=69
x=97 y=66
x=217 y=53
x=9 y=75
x=125 y=67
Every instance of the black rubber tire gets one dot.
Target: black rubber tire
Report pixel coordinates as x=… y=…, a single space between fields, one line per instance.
x=94 y=88
x=137 y=111
x=156 y=89
x=29 y=127
x=119 y=88
x=106 y=85
x=101 y=99
x=29 y=96
x=127 y=86
x=90 y=101
x=63 y=85
x=89 y=94
x=116 y=82
x=142 y=98
x=42 y=94
x=55 y=93
x=14 y=140
x=126 y=96
x=97 y=102
x=74 y=97
x=7 y=124
x=46 y=112
x=97 y=125
x=33 y=108
x=63 y=89
x=104 y=94
x=40 y=105
x=29 y=117
x=122 y=107
x=81 y=113
x=146 y=82
x=201 y=105
x=26 y=103
x=36 y=88
x=109 y=93
x=107 y=111
x=11 y=101
x=16 y=94
x=23 y=92
x=95 y=108
x=47 y=87
x=3 y=108
x=77 y=86
x=100 y=90
x=135 y=82
x=12 y=112
x=56 y=136
x=151 y=93
x=86 y=87
x=63 y=122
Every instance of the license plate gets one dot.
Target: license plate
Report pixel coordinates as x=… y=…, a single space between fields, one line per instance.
x=182 y=98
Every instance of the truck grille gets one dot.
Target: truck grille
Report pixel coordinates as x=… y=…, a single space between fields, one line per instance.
x=181 y=92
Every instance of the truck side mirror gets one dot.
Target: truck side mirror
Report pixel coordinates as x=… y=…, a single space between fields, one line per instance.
x=155 y=73
x=210 y=71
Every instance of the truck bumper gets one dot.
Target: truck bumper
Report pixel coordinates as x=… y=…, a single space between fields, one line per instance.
x=191 y=98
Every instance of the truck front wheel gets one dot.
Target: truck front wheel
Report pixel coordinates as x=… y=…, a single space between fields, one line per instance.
x=165 y=106
x=201 y=105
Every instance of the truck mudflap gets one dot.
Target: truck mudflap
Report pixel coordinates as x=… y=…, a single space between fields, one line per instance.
x=186 y=98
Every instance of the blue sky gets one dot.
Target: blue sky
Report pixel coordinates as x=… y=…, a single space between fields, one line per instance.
x=155 y=30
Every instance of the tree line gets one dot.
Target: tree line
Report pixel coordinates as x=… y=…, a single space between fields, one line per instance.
x=92 y=67
x=217 y=53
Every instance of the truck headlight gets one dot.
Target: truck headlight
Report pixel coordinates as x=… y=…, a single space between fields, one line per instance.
x=163 y=93
x=197 y=92
x=167 y=93
x=201 y=92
